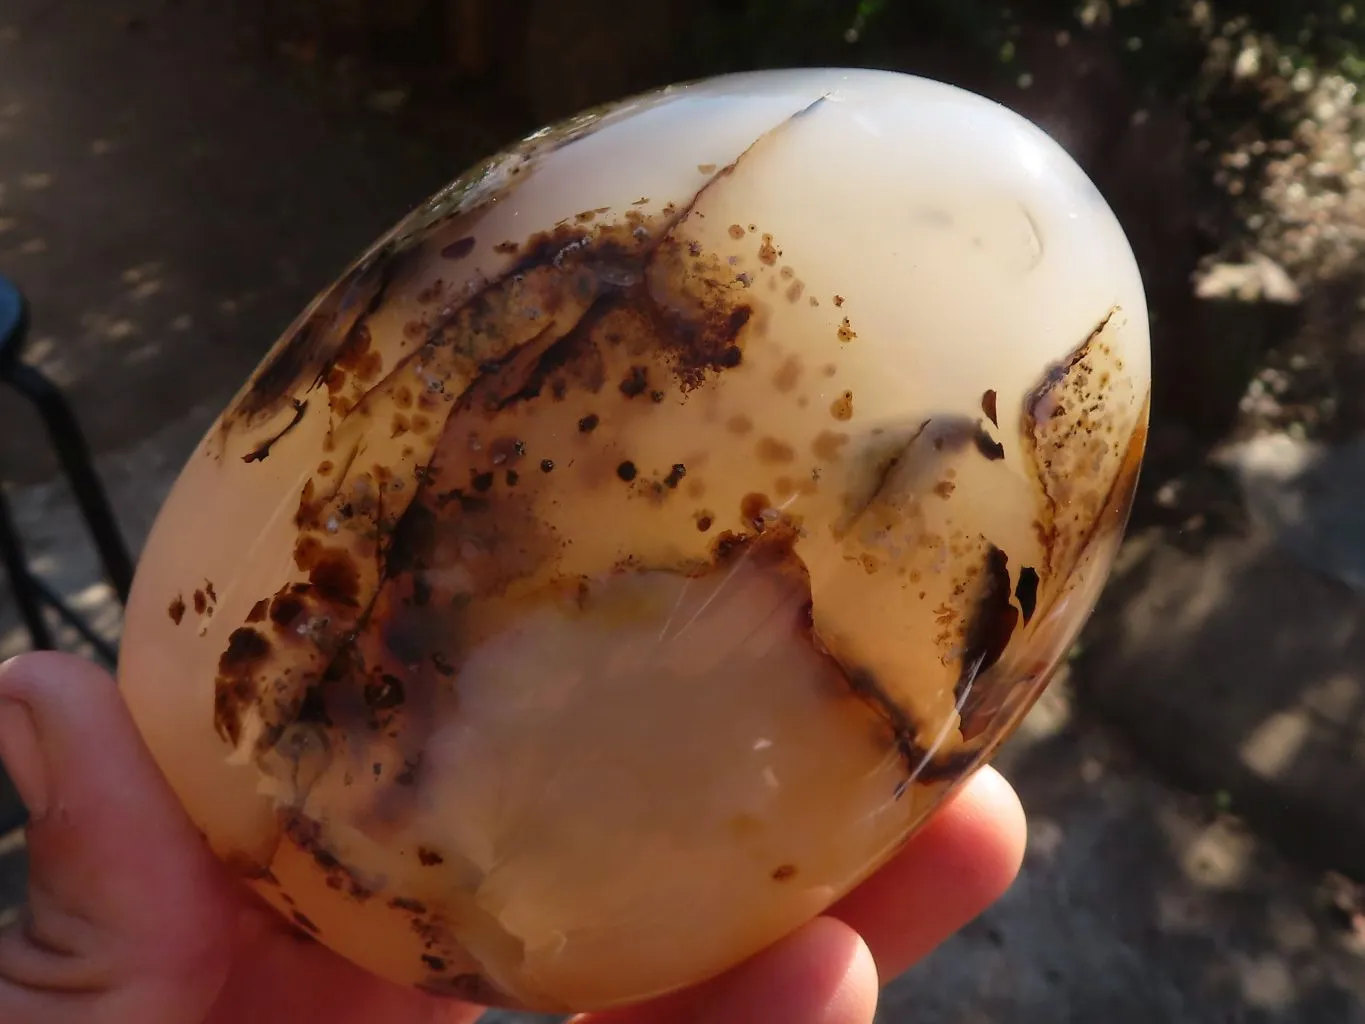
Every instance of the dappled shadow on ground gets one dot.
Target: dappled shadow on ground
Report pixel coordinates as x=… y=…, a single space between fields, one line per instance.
x=1134 y=906
x=1239 y=667
x=169 y=206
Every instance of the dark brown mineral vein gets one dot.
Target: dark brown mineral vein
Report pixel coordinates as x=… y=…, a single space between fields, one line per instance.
x=262 y=451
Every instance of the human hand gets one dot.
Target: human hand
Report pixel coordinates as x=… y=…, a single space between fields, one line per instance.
x=131 y=920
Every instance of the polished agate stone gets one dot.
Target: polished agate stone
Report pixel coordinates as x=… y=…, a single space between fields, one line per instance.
x=631 y=550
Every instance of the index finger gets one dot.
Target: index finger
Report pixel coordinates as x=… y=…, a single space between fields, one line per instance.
x=960 y=863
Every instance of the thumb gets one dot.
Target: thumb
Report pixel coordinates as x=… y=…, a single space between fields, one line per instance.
x=128 y=917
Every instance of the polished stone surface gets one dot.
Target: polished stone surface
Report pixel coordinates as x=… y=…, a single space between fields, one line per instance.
x=639 y=540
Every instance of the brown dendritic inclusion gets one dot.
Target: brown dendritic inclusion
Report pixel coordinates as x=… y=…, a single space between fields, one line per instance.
x=607 y=478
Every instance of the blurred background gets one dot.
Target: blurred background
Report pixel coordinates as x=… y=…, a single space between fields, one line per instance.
x=177 y=179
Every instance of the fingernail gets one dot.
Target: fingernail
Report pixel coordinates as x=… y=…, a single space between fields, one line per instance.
x=22 y=756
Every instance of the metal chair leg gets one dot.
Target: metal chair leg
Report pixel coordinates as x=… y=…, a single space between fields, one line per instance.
x=24 y=585
x=74 y=452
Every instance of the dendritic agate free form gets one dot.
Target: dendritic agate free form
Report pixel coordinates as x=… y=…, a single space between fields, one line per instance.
x=633 y=547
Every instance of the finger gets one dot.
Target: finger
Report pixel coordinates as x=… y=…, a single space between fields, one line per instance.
x=280 y=975
x=959 y=864
x=822 y=973
x=122 y=891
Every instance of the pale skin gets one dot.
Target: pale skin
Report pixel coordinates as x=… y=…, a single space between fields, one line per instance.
x=130 y=920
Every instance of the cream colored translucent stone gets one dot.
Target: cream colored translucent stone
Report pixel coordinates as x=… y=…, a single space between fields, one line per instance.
x=625 y=556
